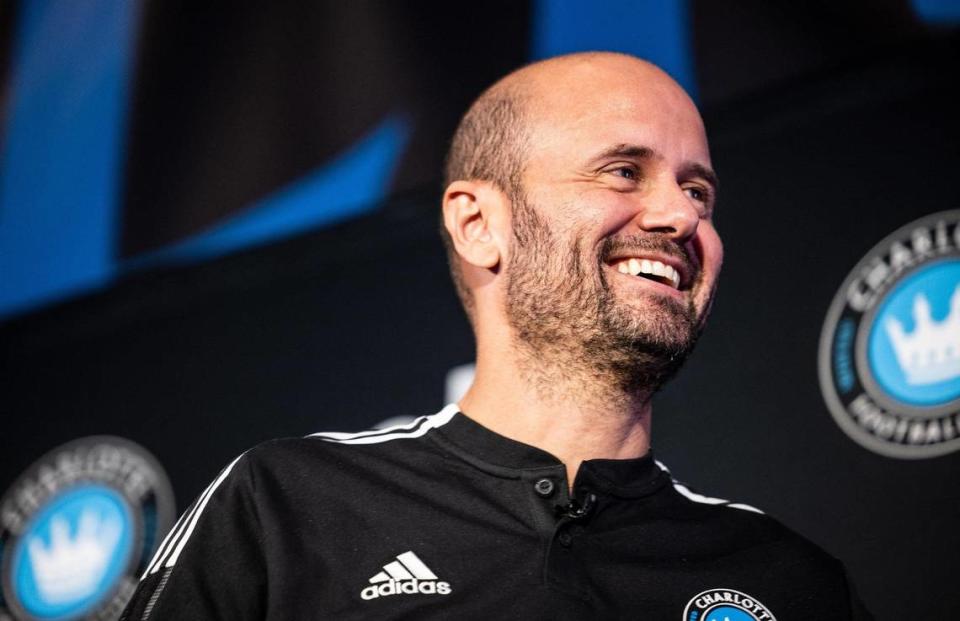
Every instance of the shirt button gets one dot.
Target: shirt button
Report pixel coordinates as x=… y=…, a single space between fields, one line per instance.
x=544 y=487
x=565 y=538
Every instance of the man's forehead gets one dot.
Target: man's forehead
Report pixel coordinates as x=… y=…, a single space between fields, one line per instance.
x=587 y=133
x=611 y=99
x=620 y=81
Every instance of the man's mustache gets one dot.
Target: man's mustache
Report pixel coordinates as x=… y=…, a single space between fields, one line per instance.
x=649 y=243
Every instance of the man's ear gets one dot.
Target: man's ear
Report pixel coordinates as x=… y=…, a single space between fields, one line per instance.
x=475 y=214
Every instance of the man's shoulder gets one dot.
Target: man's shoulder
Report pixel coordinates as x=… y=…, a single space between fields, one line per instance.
x=345 y=450
x=739 y=527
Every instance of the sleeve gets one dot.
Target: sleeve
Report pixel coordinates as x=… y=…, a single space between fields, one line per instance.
x=211 y=564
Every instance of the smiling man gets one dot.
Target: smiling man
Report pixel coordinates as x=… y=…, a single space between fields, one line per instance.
x=584 y=250
x=578 y=221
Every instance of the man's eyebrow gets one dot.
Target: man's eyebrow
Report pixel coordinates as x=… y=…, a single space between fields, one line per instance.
x=646 y=153
x=626 y=150
x=707 y=174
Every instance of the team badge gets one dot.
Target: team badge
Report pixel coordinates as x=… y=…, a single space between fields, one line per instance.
x=78 y=528
x=890 y=346
x=725 y=605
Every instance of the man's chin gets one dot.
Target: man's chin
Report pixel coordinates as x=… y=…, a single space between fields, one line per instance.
x=658 y=335
x=659 y=345
x=643 y=361
x=667 y=322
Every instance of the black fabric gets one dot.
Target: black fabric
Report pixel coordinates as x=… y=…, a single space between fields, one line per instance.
x=298 y=528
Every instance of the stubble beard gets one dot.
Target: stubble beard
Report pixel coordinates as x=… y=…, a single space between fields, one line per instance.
x=571 y=325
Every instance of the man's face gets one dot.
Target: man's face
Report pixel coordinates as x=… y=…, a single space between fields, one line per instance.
x=614 y=247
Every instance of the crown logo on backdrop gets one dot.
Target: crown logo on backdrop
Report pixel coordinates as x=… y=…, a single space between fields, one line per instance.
x=931 y=353
x=71 y=567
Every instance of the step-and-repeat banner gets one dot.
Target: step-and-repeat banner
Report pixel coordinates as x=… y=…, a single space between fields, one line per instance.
x=218 y=226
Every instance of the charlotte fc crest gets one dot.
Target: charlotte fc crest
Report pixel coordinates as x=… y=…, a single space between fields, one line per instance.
x=890 y=346
x=725 y=605
x=78 y=528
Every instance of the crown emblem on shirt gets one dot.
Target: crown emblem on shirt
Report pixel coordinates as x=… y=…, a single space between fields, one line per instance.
x=72 y=566
x=931 y=353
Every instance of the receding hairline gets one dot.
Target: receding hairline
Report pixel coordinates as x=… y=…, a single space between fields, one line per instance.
x=498 y=114
x=520 y=89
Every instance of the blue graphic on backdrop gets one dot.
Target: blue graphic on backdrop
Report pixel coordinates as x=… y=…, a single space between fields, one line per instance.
x=63 y=149
x=78 y=527
x=73 y=552
x=940 y=12
x=348 y=186
x=914 y=342
x=657 y=30
x=60 y=163
x=889 y=361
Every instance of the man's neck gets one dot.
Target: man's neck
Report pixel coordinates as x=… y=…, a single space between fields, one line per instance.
x=566 y=412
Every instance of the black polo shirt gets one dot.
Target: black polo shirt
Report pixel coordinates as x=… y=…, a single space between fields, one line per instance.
x=444 y=519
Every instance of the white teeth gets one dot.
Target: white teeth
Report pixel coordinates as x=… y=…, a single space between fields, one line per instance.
x=635 y=267
x=673 y=276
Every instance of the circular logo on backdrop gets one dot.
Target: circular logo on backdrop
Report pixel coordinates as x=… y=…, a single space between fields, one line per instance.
x=725 y=605
x=78 y=528
x=890 y=346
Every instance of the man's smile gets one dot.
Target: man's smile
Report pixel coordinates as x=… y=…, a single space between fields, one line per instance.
x=648 y=268
x=651 y=260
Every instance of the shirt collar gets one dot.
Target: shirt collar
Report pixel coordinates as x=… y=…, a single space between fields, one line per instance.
x=501 y=456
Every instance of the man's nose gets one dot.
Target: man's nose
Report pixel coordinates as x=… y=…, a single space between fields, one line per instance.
x=669 y=211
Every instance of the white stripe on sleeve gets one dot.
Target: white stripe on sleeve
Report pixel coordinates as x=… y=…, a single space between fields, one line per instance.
x=192 y=523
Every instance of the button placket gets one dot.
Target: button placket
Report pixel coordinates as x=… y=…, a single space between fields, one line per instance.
x=544 y=487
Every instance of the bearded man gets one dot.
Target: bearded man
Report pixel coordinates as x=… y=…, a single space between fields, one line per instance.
x=578 y=221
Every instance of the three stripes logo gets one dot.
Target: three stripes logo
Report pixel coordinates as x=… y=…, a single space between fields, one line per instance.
x=407 y=575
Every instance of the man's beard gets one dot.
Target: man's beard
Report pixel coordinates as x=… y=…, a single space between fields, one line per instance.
x=566 y=316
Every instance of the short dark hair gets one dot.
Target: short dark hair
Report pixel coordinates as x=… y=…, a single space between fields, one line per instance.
x=489 y=145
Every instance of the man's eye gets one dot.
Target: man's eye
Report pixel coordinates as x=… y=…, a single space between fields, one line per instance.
x=697 y=194
x=627 y=172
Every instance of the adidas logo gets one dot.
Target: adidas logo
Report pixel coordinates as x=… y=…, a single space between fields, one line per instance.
x=406 y=575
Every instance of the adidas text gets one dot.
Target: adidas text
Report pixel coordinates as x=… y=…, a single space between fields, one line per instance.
x=405 y=575
x=409 y=587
